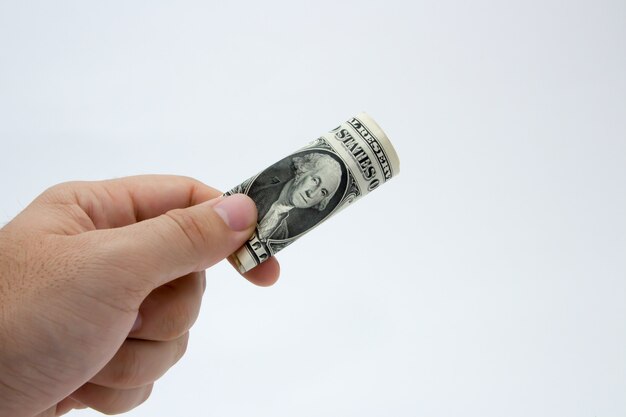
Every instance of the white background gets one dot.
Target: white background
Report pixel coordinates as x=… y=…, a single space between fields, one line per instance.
x=487 y=279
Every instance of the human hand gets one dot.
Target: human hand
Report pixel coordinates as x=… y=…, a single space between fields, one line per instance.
x=100 y=283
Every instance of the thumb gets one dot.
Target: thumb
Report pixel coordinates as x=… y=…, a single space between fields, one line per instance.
x=178 y=242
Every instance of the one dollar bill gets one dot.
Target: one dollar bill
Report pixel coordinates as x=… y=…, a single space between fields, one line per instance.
x=302 y=190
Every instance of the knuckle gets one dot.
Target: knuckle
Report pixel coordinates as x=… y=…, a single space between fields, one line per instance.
x=195 y=182
x=58 y=192
x=198 y=186
x=176 y=321
x=114 y=403
x=192 y=229
x=147 y=390
x=181 y=346
x=127 y=372
x=107 y=400
x=118 y=401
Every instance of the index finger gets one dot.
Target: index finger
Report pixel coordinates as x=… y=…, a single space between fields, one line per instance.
x=123 y=201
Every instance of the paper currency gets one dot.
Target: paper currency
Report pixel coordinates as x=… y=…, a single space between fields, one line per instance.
x=304 y=189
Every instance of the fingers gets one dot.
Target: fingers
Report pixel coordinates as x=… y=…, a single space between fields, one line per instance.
x=140 y=362
x=123 y=201
x=111 y=400
x=176 y=243
x=171 y=309
x=264 y=274
x=127 y=380
x=66 y=405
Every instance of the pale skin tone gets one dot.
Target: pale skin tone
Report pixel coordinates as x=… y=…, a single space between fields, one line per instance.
x=100 y=283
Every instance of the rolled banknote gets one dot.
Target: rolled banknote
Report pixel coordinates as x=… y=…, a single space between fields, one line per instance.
x=302 y=190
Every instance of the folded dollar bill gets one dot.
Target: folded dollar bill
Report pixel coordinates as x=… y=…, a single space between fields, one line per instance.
x=302 y=190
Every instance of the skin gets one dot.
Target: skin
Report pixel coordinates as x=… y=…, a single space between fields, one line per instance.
x=311 y=187
x=100 y=283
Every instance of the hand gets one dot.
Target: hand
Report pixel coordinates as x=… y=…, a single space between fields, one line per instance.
x=100 y=283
